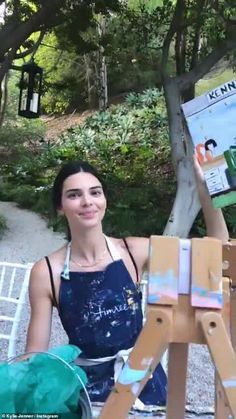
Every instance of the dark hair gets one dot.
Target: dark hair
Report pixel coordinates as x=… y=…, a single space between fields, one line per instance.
x=67 y=170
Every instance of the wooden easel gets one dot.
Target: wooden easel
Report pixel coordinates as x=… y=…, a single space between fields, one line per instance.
x=188 y=301
x=229 y=270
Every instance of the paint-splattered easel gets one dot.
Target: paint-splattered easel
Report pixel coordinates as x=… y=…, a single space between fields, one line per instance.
x=188 y=302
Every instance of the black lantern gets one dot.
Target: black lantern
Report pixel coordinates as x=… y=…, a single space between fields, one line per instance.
x=30 y=90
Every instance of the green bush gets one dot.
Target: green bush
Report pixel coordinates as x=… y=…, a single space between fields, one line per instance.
x=149 y=98
x=3 y=226
x=19 y=135
x=20 y=132
x=230 y=217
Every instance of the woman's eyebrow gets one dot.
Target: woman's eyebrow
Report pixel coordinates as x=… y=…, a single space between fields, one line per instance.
x=78 y=189
x=73 y=190
x=96 y=187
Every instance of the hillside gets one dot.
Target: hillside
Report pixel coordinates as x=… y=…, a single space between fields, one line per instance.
x=55 y=125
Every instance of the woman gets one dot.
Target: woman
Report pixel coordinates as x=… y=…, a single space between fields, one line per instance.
x=93 y=281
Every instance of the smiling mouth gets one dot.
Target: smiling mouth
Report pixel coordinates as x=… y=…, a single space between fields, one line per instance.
x=87 y=214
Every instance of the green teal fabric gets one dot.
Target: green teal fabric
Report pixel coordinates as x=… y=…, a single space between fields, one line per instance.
x=43 y=383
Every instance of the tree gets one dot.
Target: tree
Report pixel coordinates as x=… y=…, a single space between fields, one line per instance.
x=195 y=34
x=64 y=82
x=91 y=45
x=23 y=18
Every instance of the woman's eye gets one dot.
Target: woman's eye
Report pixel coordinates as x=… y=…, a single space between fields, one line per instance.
x=73 y=195
x=96 y=193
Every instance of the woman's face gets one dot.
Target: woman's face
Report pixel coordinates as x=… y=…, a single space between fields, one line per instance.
x=83 y=201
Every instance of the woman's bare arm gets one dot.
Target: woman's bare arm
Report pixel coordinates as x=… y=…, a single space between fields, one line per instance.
x=214 y=219
x=39 y=329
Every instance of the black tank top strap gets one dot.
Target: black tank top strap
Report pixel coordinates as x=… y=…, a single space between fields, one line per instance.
x=132 y=258
x=54 y=300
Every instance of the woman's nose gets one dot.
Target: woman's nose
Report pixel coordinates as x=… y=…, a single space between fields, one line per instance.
x=86 y=199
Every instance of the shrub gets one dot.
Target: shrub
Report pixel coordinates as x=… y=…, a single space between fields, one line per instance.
x=3 y=226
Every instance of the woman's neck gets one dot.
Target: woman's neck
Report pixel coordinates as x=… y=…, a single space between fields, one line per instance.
x=88 y=246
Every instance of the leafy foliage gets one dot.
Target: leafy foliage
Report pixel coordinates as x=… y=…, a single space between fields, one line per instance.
x=19 y=134
x=3 y=226
x=230 y=216
x=64 y=77
x=69 y=59
x=129 y=145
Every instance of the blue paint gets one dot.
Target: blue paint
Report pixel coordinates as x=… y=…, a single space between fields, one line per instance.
x=162 y=285
x=163 y=280
x=130 y=376
x=229 y=383
x=206 y=293
x=153 y=298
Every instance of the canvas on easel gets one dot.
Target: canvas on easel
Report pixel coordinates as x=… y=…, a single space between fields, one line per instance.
x=212 y=125
x=179 y=312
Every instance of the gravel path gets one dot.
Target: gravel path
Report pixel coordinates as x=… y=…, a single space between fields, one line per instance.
x=27 y=240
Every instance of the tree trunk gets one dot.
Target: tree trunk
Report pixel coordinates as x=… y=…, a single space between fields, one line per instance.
x=102 y=81
x=102 y=69
x=90 y=85
x=186 y=204
x=3 y=99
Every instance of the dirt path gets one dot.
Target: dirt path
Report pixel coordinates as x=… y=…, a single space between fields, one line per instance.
x=27 y=238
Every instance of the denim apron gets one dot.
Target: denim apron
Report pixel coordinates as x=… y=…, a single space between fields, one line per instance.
x=101 y=313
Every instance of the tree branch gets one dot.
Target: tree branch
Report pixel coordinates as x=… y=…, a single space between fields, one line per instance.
x=7 y=63
x=180 y=45
x=170 y=33
x=188 y=79
x=196 y=38
x=12 y=35
x=16 y=9
x=32 y=49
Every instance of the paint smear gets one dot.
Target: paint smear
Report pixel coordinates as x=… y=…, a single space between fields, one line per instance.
x=162 y=285
x=230 y=383
x=203 y=297
x=130 y=376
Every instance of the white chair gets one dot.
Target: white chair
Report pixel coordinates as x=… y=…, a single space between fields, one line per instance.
x=14 y=280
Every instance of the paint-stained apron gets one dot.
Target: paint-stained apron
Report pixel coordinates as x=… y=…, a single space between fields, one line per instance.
x=101 y=314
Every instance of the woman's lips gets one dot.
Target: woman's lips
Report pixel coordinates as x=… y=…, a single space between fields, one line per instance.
x=87 y=214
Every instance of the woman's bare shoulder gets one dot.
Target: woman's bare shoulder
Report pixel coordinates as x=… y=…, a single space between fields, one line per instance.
x=138 y=246
x=133 y=241
x=56 y=260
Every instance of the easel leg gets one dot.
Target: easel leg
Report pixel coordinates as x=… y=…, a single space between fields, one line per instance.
x=222 y=410
x=147 y=352
x=177 y=370
x=222 y=354
x=233 y=317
